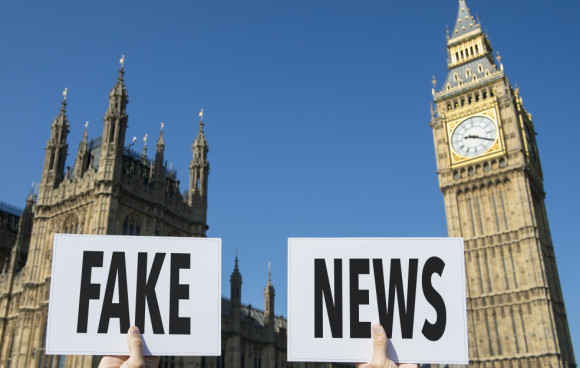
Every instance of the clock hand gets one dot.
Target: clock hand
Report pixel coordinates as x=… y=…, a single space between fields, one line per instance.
x=478 y=137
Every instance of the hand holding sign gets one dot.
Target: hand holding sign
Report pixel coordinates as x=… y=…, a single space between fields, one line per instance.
x=338 y=286
x=380 y=359
x=136 y=359
x=103 y=284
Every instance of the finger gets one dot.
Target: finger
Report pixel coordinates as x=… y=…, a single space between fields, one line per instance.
x=379 y=346
x=135 y=347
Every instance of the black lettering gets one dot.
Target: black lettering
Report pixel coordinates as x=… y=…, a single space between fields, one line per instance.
x=322 y=289
x=406 y=309
x=357 y=297
x=88 y=291
x=434 y=331
x=146 y=293
x=178 y=325
x=385 y=315
x=118 y=271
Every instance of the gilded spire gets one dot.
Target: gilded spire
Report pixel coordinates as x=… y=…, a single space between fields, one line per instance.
x=61 y=120
x=465 y=22
x=199 y=167
x=56 y=148
x=160 y=141
x=119 y=90
x=86 y=133
x=144 y=154
x=200 y=139
x=469 y=52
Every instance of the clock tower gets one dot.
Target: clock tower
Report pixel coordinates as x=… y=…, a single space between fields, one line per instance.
x=491 y=179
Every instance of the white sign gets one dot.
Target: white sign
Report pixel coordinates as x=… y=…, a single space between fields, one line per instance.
x=101 y=285
x=414 y=287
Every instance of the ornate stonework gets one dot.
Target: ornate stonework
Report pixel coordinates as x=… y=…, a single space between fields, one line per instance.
x=492 y=183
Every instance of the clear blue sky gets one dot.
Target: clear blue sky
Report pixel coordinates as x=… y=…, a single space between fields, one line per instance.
x=316 y=111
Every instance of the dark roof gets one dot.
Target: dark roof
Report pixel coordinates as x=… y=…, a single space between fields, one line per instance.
x=94 y=147
x=8 y=208
x=487 y=68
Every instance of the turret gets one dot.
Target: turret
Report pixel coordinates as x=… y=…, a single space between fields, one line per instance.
x=269 y=299
x=82 y=160
x=159 y=165
x=269 y=351
x=236 y=286
x=114 y=129
x=20 y=250
x=233 y=356
x=56 y=149
x=199 y=167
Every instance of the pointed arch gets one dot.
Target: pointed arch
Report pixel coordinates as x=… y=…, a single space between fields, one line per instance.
x=71 y=224
x=132 y=225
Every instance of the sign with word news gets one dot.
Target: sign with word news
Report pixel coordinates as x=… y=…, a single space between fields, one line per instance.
x=413 y=287
x=103 y=284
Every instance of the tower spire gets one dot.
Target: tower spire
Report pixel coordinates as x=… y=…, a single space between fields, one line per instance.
x=269 y=295
x=81 y=162
x=160 y=141
x=236 y=285
x=118 y=97
x=56 y=147
x=114 y=129
x=465 y=23
x=199 y=166
x=469 y=54
x=159 y=172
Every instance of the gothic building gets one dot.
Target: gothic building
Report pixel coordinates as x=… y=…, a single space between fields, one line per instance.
x=9 y=219
x=491 y=178
x=112 y=189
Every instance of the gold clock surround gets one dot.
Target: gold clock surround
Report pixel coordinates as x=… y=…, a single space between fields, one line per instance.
x=496 y=149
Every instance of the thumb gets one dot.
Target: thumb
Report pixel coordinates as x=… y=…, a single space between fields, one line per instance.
x=379 y=346
x=135 y=347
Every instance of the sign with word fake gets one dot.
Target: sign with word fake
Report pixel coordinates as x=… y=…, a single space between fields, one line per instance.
x=413 y=287
x=102 y=284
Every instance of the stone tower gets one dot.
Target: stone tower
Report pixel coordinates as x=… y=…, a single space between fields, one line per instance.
x=491 y=178
x=269 y=351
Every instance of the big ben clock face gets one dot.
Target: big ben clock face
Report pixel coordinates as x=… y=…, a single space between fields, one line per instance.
x=474 y=136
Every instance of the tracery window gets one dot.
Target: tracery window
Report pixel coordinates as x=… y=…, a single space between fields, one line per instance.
x=71 y=225
x=49 y=361
x=131 y=225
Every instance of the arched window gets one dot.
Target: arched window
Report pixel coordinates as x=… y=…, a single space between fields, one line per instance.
x=71 y=225
x=131 y=225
